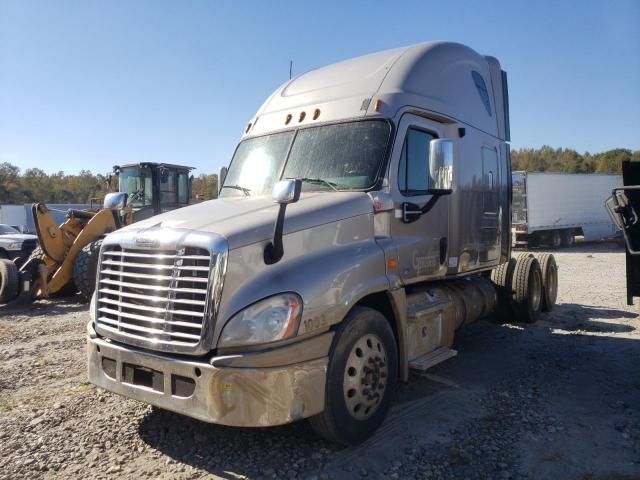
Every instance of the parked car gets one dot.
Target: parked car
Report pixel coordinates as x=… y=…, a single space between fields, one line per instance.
x=14 y=245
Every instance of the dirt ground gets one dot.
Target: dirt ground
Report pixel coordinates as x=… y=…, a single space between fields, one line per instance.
x=556 y=400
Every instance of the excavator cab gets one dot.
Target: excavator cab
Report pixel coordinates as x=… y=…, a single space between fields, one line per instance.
x=150 y=189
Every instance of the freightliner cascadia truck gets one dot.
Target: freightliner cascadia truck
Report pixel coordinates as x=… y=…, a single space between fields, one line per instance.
x=363 y=219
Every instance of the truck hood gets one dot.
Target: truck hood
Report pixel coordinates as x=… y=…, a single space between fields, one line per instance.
x=246 y=220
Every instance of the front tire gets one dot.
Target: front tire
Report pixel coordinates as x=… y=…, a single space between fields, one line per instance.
x=9 y=281
x=85 y=268
x=361 y=378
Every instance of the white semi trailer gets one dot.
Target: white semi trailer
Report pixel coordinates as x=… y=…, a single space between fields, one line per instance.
x=551 y=209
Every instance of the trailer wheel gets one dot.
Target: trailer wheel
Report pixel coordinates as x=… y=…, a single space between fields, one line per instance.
x=527 y=289
x=502 y=277
x=85 y=268
x=568 y=238
x=549 y=270
x=361 y=378
x=9 y=281
x=556 y=239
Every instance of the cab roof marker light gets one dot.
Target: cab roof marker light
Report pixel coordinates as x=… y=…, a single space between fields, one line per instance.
x=378 y=105
x=288 y=119
x=301 y=117
x=316 y=113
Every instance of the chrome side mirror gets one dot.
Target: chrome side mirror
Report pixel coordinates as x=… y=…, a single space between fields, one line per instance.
x=287 y=191
x=115 y=200
x=440 y=166
x=284 y=192
x=222 y=174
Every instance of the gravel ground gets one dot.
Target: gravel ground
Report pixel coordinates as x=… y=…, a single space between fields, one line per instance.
x=558 y=399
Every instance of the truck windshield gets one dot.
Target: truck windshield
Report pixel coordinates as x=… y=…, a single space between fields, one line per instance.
x=138 y=183
x=345 y=156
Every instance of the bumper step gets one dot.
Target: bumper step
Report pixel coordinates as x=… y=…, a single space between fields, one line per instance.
x=430 y=359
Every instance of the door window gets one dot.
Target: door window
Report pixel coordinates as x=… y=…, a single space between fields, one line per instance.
x=413 y=171
x=183 y=189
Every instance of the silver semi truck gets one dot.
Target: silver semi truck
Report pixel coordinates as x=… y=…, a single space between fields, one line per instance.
x=364 y=217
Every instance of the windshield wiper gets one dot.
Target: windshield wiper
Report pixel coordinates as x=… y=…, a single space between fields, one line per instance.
x=320 y=181
x=244 y=190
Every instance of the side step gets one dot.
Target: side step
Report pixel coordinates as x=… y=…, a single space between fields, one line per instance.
x=430 y=359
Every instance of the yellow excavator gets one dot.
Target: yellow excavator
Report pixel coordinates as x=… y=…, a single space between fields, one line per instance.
x=67 y=258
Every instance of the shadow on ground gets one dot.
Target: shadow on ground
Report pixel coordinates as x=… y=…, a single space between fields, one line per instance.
x=428 y=406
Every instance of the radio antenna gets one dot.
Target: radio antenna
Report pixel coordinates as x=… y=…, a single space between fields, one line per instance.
x=290 y=68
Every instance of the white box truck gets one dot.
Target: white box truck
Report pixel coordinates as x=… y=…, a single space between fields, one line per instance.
x=551 y=209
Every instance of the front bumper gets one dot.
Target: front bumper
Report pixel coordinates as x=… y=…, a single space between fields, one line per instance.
x=243 y=397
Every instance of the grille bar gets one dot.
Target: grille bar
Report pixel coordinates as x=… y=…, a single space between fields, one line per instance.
x=118 y=283
x=148 y=308
x=151 y=332
x=153 y=266
x=154 y=277
x=145 y=318
x=151 y=298
x=160 y=256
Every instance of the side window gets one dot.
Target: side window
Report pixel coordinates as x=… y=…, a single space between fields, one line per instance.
x=482 y=90
x=413 y=171
x=168 y=190
x=490 y=178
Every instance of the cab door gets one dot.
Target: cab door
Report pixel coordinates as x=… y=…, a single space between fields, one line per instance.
x=491 y=221
x=422 y=245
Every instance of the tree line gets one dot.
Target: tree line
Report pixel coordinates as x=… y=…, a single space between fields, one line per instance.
x=548 y=159
x=35 y=185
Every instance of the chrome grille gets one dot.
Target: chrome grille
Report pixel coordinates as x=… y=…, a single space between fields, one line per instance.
x=157 y=297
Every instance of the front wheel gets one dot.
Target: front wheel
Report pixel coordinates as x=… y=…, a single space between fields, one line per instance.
x=85 y=268
x=361 y=378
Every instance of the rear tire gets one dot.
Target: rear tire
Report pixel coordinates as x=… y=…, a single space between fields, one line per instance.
x=85 y=268
x=502 y=277
x=361 y=378
x=549 y=270
x=9 y=281
x=555 y=239
x=527 y=289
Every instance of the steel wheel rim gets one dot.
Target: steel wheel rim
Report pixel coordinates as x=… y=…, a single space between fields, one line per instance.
x=365 y=377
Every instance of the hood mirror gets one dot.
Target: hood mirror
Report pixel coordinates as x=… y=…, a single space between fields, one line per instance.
x=287 y=191
x=115 y=200
x=284 y=192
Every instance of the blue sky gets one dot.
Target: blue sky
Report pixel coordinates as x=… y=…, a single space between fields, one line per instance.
x=87 y=84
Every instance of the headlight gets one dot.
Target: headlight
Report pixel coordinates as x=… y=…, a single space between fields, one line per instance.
x=271 y=319
x=15 y=246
